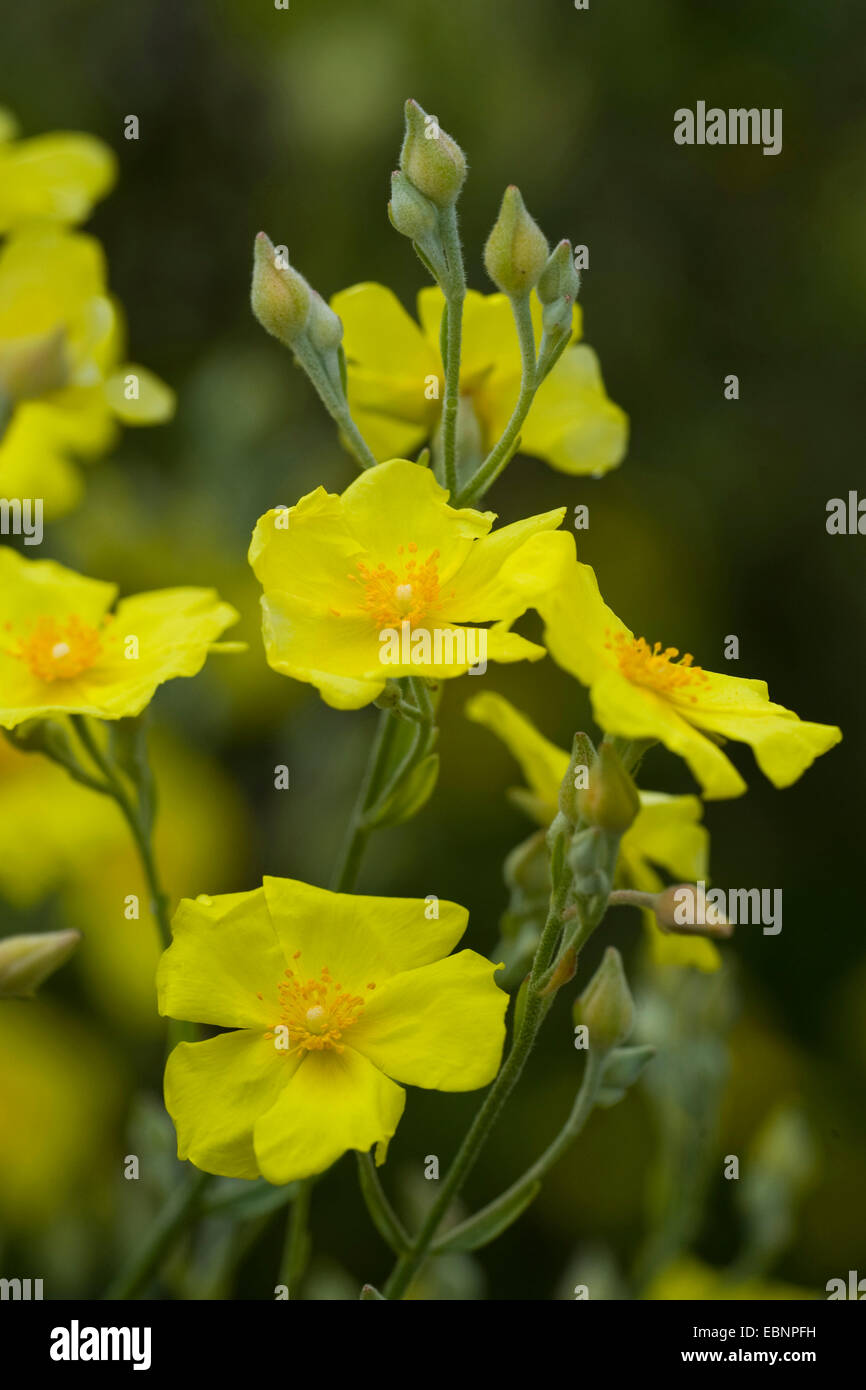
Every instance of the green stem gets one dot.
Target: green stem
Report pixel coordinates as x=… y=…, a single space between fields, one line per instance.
x=534 y=1014
x=358 y=833
x=455 y=293
x=499 y=456
x=581 y=1110
x=297 y=1246
x=137 y=818
x=334 y=401
x=180 y=1211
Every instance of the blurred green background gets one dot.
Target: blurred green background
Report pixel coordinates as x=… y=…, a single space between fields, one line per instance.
x=703 y=262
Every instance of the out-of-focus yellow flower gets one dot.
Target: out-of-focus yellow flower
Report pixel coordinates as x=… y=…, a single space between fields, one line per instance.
x=63 y=652
x=666 y=831
x=58 y=837
x=645 y=691
x=52 y=178
x=688 y=1278
x=333 y=999
x=393 y=363
x=378 y=583
x=61 y=1093
x=61 y=358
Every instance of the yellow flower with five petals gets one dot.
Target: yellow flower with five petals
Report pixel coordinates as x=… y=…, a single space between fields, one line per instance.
x=666 y=833
x=333 y=1000
x=59 y=324
x=63 y=652
x=396 y=385
x=388 y=559
x=642 y=690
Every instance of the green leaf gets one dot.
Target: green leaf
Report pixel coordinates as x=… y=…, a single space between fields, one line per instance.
x=414 y=792
x=490 y=1222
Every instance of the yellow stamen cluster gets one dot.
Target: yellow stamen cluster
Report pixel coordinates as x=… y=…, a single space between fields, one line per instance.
x=655 y=667
x=59 y=651
x=391 y=598
x=317 y=1012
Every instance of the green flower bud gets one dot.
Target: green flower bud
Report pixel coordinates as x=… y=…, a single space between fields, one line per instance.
x=25 y=961
x=611 y=800
x=280 y=297
x=34 y=366
x=516 y=249
x=324 y=327
x=558 y=279
x=430 y=159
x=606 y=1006
x=576 y=778
x=410 y=212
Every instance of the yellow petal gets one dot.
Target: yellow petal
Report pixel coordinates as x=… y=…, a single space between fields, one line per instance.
x=30 y=589
x=224 y=955
x=153 y=404
x=441 y=1027
x=573 y=424
x=335 y=1101
x=309 y=553
x=50 y=278
x=479 y=591
x=400 y=502
x=390 y=367
x=339 y=655
x=543 y=764
x=360 y=939
x=55 y=178
x=636 y=712
x=784 y=745
x=668 y=832
x=215 y=1091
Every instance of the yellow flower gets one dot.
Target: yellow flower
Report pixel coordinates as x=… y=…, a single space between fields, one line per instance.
x=333 y=999
x=55 y=309
x=666 y=831
x=62 y=651
x=643 y=690
x=377 y=582
x=50 y=178
x=393 y=363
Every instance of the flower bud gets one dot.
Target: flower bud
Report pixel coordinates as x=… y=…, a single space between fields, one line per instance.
x=682 y=909
x=516 y=249
x=558 y=279
x=410 y=212
x=34 y=366
x=324 y=327
x=611 y=800
x=606 y=1006
x=280 y=297
x=430 y=159
x=576 y=778
x=25 y=961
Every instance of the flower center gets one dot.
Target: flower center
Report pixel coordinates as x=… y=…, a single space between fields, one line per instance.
x=392 y=597
x=59 y=651
x=655 y=667
x=317 y=1012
